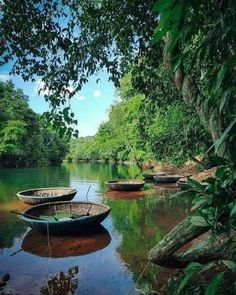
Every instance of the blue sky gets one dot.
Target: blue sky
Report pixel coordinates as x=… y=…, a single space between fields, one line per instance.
x=90 y=105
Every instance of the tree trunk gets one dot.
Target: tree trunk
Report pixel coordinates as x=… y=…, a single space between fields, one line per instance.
x=164 y=254
x=208 y=112
x=180 y=235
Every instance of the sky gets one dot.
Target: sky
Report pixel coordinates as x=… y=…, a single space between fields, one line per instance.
x=90 y=105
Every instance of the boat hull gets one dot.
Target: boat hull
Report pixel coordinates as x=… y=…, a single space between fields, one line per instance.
x=41 y=195
x=98 y=213
x=172 y=178
x=129 y=185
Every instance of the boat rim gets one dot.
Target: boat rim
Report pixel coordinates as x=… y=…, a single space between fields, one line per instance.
x=125 y=181
x=64 y=221
x=69 y=191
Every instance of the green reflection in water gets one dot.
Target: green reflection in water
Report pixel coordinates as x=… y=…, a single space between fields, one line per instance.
x=102 y=171
x=13 y=180
x=140 y=219
x=142 y=223
x=10 y=229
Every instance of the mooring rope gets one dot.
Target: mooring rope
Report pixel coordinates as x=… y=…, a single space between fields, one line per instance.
x=143 y=271
x=49 y=259
x=86 y=196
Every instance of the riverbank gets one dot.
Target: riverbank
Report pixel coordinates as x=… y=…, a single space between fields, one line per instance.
x=151 y=166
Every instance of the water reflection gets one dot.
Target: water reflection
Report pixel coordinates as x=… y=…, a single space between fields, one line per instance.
x=10 y=228
x=58 y=247
x=62 y=283
x=120 y=195
x=137 y=221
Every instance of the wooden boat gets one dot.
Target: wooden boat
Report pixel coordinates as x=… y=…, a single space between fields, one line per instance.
x=65 y=218
x=125 y=184
x=150 y=175
x=167 y=178
x=46 y=195
x=66 y=246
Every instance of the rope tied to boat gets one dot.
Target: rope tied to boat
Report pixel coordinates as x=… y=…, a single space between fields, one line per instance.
x=86 y=196
x=49 y=258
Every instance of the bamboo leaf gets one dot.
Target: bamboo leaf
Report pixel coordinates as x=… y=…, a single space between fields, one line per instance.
x=199 y=204
x=196 y=185
x=214 y=284
x=190 y=270
x=224 y=135
x=162 y=5
x=230 y=264
x=233 y=210
x=180 y=194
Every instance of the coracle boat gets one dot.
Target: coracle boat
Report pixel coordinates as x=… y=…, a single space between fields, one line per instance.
x=125 y=184
x=65 y=246
x=150 y=175
x=168 y=178
x=46 y=195
x=65 y=218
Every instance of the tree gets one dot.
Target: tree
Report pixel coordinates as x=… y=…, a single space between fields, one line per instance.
x=23 y=140
x=197 y=39
x=94 y=35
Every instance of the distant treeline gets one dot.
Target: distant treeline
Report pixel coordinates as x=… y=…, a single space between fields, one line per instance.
x=23 y=140
x=142 y=129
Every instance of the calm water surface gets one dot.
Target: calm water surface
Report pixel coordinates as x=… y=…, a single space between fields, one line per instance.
x=106 y=262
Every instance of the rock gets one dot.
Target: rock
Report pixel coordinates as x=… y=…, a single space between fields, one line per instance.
x=5 y=278
x=2 y=283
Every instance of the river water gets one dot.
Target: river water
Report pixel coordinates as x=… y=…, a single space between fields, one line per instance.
x=107 y=262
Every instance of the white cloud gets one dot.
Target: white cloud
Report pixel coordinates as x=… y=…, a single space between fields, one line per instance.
x=97 y=93
x=40 y=85
x=4 y=77
x=81 y=97
x=45 y=91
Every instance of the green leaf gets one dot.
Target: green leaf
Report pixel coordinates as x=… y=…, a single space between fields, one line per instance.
x=196 y=185
x=199 y=203
x=224 y=135
x=63 y=215
x=190 y=270
x=214 y=284
x=220 y=172
x=162 y=5
x=198 y=220
x=47 y=218
x=220 y=77
x=233 y=210
x=224 y=100
x=180 y=194
x=230 y=264
x=160 y=33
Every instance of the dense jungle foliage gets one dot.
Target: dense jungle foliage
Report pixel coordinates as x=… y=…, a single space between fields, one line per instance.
x=184 y=43
x=23 y=140
x=141 y=130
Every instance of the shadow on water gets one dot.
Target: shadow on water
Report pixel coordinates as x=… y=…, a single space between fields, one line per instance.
x=105 y=262
x=65 y=246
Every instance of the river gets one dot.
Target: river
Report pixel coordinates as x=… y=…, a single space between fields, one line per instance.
x=107 y=262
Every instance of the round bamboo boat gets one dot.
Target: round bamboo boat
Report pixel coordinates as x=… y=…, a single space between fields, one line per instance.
x=85 y=215
x=66 y=246
x=168 y=178
x=150 y=175
x=46 y=195
x=125 y=184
